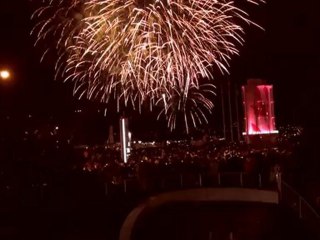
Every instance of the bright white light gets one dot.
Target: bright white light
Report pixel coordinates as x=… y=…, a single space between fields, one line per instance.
x=4 y=74
x=261 y=133
x=124 y=140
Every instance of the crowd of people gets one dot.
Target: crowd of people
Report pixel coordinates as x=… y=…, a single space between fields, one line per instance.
x=150 y=164
x=158 y=161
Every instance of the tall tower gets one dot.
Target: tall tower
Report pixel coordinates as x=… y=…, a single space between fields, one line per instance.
x=258 y=109
x=111 y=136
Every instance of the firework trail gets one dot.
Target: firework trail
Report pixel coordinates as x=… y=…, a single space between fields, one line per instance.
x=141 y=51
x=192 y=108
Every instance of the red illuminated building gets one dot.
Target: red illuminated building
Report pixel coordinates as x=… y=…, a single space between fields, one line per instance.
x=259 y=116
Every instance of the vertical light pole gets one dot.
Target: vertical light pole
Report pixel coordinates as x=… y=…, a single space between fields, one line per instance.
x=230 y=112
x=124 y=139
x=237 y=113
x=223 y=113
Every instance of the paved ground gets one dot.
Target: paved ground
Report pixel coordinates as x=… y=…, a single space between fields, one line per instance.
x=69 y=213
x=102 y=221
x=219 y=221
x=85 y=221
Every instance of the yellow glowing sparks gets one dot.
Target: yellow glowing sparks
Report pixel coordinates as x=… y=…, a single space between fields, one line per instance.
x=142 y=51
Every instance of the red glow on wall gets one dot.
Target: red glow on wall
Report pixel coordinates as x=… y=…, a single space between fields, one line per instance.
x=258 y=108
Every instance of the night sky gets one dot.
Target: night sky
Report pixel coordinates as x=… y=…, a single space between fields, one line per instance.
x=286 y=54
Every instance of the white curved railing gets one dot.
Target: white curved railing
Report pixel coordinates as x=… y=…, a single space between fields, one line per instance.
x=197 y=195
x=281 y=191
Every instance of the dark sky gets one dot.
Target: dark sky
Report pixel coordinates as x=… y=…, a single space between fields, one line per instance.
x=286 y=54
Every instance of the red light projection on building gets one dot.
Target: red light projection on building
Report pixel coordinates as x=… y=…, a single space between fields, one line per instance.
x=258 y=108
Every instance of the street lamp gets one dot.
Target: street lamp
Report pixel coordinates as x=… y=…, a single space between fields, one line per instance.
x=5 y=74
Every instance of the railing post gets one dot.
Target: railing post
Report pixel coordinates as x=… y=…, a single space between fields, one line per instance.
x=260 y=181
x=241 y=179
x=219 y=179
x=279 y=182
x=163 y=183
x=300 y=207
x=181 y=181
x=125 y=186
x=200 y=180
x=106 y=188
x=210 y=236
x=231 y=236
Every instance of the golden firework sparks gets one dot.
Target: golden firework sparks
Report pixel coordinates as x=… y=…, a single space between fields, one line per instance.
x=141 y=51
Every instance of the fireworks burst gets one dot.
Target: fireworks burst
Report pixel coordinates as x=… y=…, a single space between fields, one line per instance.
x=192 y=108
x=142 y=51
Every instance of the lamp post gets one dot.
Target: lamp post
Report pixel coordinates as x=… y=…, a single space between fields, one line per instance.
x=5 y=81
